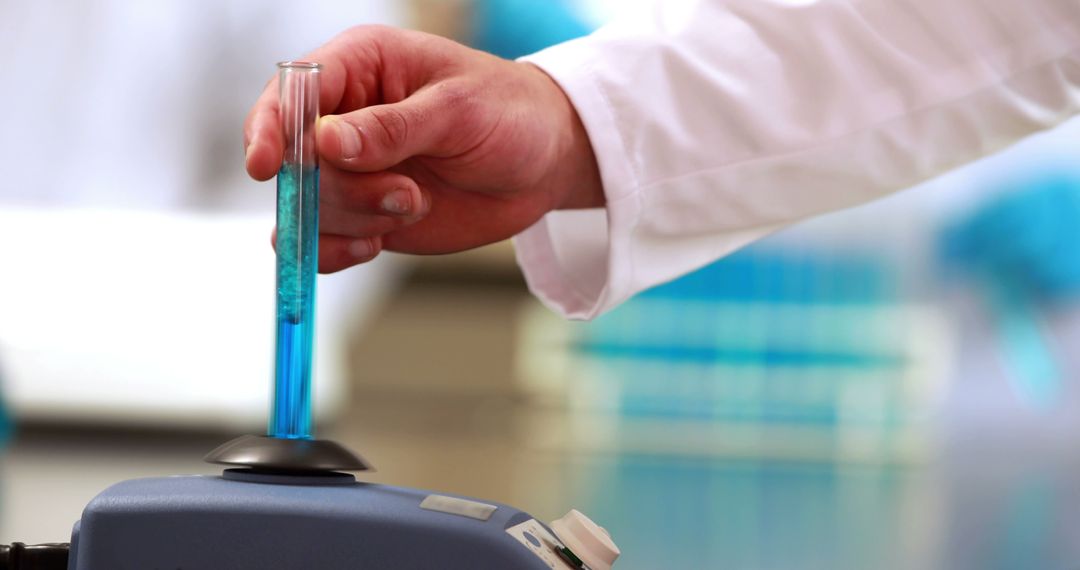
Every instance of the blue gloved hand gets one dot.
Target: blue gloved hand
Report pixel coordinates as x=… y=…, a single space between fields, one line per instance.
x=1021 y=248
x=1027 y=239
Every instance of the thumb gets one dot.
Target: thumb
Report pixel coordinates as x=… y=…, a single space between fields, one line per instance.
x=378 y=137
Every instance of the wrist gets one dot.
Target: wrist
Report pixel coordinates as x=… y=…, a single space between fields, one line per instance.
x=574 y=179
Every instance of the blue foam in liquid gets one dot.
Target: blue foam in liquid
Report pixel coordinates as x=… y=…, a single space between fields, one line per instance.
x=297 y=263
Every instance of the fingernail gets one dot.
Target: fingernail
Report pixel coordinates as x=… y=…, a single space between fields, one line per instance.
x=397 y=202
x=348 y=137
x=360 y=248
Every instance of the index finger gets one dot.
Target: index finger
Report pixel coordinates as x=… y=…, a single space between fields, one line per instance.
x=263 y=142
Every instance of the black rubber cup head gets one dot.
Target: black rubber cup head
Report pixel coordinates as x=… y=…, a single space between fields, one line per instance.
x=291 y=456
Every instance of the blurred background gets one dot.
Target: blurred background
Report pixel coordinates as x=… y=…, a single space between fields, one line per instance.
x=885 y=387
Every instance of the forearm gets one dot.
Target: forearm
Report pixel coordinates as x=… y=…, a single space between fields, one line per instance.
x=716 y=125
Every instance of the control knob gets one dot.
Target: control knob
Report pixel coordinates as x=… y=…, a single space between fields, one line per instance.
x=586 y=540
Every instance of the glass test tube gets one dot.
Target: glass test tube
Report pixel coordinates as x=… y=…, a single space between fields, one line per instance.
x=297 y=250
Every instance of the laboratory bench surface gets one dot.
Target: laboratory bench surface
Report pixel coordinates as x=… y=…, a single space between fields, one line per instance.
x=991 y=509
x=434 y=408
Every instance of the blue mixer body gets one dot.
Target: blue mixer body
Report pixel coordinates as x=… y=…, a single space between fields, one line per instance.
x=284 y=522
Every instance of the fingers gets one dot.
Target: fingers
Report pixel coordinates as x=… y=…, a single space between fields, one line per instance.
x=381 y=136
x=378 y=193
x=345 y=79
x=350 y=224
x=358 y=209
x=337 y=252
x=392 y=77
x=368 y=204
x=263 y=142
x=341 y=252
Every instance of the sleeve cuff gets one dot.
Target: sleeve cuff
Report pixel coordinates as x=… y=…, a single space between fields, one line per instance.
x=577 y=261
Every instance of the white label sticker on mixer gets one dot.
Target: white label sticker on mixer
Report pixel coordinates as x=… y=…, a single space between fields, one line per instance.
x=456 y=506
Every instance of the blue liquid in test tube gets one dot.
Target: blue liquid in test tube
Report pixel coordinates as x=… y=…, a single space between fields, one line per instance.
x=297 y=251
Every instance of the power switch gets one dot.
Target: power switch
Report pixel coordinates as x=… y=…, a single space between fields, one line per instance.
x=570 y=557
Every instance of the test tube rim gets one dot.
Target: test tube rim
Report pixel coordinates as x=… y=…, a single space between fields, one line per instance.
x=300 y=65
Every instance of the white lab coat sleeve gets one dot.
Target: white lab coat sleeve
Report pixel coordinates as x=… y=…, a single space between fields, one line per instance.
x=716 y=122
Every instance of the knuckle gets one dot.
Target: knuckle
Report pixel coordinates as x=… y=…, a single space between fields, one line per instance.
x=378 y=30
x=392 y=124
x=375 y=33
x=456 y=98
x=367 y=30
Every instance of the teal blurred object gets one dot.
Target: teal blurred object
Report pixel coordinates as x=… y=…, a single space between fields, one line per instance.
x=513 y=28
x=5 y=422
x=1020 y=249
x=772 y=353
x=773 y=318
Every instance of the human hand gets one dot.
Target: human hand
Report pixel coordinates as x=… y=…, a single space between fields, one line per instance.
x=428 y=146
